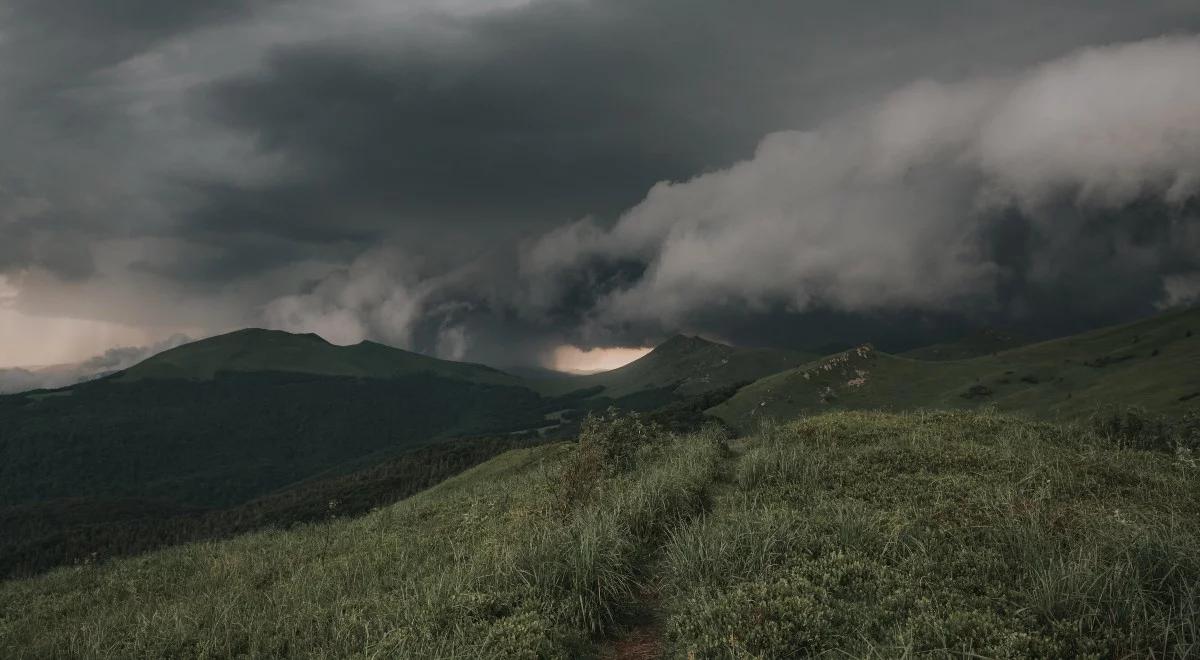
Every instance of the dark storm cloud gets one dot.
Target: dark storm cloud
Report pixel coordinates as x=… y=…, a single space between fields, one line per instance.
x=414 y=172
x=565 y=109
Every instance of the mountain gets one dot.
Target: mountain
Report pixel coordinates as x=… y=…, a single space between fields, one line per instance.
x=683 y=366
x=1153 y=363
x=226 y=419
x=196 y=441
x=256 y=350
x=982 y=342
x=845 y=534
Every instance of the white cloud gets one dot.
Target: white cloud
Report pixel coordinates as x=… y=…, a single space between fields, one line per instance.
x=885 y=209
x=14 y=380
x=1111 y=123
x=382 y=295
x=1181 y=290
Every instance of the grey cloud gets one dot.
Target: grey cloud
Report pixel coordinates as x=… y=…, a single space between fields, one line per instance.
x=239 y=157
x=892 y=209
x=1182 y=289
x=380 y=295
x=16 y=380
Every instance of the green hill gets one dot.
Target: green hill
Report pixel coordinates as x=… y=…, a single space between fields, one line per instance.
x=1154 y=363
x=255 y=350
x=847 y=534
x=235 y=437
x=229 y=418
x=684 y=366
x=983 y=342
x=207 y=439
x=41 y=535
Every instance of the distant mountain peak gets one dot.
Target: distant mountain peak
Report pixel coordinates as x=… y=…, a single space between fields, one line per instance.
x=681 y=343
x=267 y=333
x=263 y=350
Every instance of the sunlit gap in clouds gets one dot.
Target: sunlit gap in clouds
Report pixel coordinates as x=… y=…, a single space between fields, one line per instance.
x=37 y=341
x=572 y=359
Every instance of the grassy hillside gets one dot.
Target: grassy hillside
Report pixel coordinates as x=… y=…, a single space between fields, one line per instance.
x=226 y=440
x=218 y=422
x=683 y=366
x=950 y=534
x=38 y=536
x=198 y=442
x=255 y=350
x=480 y=566
x=983 y=342
x=1153 y=363
x=869 y=535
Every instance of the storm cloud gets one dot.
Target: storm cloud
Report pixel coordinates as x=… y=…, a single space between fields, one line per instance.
x=488 y=180
x=903 y=205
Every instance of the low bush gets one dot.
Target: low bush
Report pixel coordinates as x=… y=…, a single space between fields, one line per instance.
x=1133 y=427
x=609 y=444
x=616 y=437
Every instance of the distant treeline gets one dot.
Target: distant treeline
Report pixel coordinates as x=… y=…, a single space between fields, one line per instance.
x=37 y=537
x=218 y=443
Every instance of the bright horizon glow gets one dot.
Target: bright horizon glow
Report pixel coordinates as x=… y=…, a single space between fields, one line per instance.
x=36 y=341
x=575 y=360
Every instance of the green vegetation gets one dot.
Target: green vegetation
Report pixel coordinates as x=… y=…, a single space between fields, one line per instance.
x=36 y=537
x=983 y=342
x=960 y=532
x=223 y=441
x=257 y=430
x=1153 y=363
x=964 y=534
x=861 y=534
x=484 y=565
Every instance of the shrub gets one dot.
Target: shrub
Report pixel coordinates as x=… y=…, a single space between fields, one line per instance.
x=616 y=438
x=977 y=392
x=577 y=479
x=1135 y=428
x=609 y=444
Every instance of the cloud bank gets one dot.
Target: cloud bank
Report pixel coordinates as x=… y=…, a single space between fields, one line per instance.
x=416 y=172
x=906 y=205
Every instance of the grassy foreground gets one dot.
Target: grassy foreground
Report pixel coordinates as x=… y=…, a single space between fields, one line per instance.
x=487 y=564
x=951 y=534
x=847 y=534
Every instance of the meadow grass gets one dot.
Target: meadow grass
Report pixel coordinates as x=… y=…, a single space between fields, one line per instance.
x=1150 y=363
x=484 y=565
x=945 y=534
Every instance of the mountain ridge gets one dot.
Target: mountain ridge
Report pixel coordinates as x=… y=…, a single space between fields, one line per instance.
x=258 y=349
x=1153 y=363
x=686 y=365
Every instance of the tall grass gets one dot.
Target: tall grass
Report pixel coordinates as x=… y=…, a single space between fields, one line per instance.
x=936 y=533
x=484 y=566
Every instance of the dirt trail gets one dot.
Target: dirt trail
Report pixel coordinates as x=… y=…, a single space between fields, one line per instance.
x=643 y=640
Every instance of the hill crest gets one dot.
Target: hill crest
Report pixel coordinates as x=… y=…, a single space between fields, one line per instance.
x=1150 y=363
x=263 y=350
x=687 y=365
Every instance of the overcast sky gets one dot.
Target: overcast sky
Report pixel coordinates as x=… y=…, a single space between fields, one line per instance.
x=489 y=180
